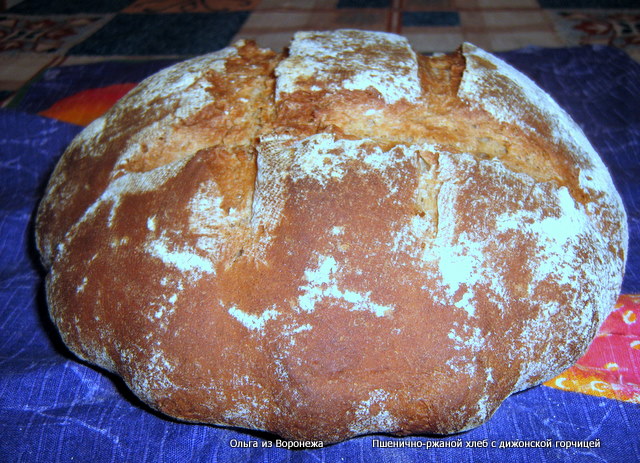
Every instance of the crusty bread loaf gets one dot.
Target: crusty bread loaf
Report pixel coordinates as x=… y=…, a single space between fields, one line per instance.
x=343 y=239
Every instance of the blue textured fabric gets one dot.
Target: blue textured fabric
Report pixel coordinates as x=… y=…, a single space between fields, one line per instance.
x=55 y=408
x=60 y=82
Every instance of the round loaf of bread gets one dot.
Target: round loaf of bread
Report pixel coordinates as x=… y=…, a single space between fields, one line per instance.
x=341 y=239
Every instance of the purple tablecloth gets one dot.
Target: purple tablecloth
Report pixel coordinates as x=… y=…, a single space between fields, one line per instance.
x=55 y=408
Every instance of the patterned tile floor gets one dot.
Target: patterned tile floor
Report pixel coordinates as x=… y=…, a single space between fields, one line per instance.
x=36 y=34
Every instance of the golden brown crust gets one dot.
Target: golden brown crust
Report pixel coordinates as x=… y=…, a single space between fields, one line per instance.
x=335 y=242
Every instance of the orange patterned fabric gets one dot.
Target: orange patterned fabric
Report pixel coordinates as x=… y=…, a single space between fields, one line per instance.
x=83 y=107
x=611 y=366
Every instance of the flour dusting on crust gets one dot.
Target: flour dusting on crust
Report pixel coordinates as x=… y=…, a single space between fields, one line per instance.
x=512 y=97
x=384 y=62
